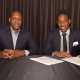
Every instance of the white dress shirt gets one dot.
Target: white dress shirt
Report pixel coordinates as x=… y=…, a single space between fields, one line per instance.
x=67 y=40
x=14 y=38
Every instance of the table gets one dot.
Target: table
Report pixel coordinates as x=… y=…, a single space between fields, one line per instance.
x=25 y=69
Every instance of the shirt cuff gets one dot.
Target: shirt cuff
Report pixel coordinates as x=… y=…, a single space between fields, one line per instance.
x=26 y=52
x=53 y=54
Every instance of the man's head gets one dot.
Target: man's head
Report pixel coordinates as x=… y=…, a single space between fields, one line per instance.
x=63 y=21
x=15 y=20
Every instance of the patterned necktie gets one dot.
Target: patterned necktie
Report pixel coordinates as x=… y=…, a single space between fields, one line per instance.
x=64 y=42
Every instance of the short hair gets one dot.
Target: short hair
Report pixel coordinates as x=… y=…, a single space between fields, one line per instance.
x=14 y=12
x=63 y=12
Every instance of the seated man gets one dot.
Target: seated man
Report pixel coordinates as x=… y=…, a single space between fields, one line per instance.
x=61 y=40
x=15 y=40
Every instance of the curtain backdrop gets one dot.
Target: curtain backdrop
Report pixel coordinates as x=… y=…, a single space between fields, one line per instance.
x=39 y=15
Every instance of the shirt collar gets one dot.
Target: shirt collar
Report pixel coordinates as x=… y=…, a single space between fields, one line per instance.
x=67 y=32
x=13 y=30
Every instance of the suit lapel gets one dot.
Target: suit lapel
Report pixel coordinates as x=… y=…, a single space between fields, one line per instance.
x=20 y=38
x=57 y=40
x=9 y=40
x=71 y=38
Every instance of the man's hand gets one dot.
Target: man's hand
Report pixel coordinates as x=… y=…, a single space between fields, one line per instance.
x=2 y=55
x=10 y=53
x=61 y=54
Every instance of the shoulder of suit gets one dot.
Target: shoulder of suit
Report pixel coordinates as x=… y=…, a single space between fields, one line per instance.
x=53 y=32
x=25 y=31
x=75 y=31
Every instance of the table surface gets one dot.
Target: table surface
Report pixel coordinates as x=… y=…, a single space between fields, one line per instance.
x=25 y=69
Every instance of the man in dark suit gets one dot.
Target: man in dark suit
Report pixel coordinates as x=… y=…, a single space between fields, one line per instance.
x=62 y=40
x=15 y=40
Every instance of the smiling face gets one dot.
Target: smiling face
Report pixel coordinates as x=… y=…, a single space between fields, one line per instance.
x=15 y=20
x=63 y=22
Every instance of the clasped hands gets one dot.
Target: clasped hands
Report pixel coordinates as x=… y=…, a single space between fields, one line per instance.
x=10 y=53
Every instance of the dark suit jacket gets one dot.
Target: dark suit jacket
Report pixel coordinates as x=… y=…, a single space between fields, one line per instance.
x=53 y=40
x=24 y=40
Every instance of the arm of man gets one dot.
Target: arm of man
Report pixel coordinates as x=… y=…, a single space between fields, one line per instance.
x=61 y=54
x=31 y=46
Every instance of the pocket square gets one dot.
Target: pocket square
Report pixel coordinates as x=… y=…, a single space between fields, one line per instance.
x=75 y=43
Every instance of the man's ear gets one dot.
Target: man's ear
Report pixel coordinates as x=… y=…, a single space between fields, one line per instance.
x=9 y=19
x=69 y=20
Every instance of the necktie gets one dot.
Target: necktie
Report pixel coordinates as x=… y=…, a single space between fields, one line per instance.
x=64 y=42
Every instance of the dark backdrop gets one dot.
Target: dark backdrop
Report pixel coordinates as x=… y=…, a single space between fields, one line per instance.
x=39 y=15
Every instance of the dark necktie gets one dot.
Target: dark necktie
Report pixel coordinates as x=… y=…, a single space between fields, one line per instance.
x=64 y=42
